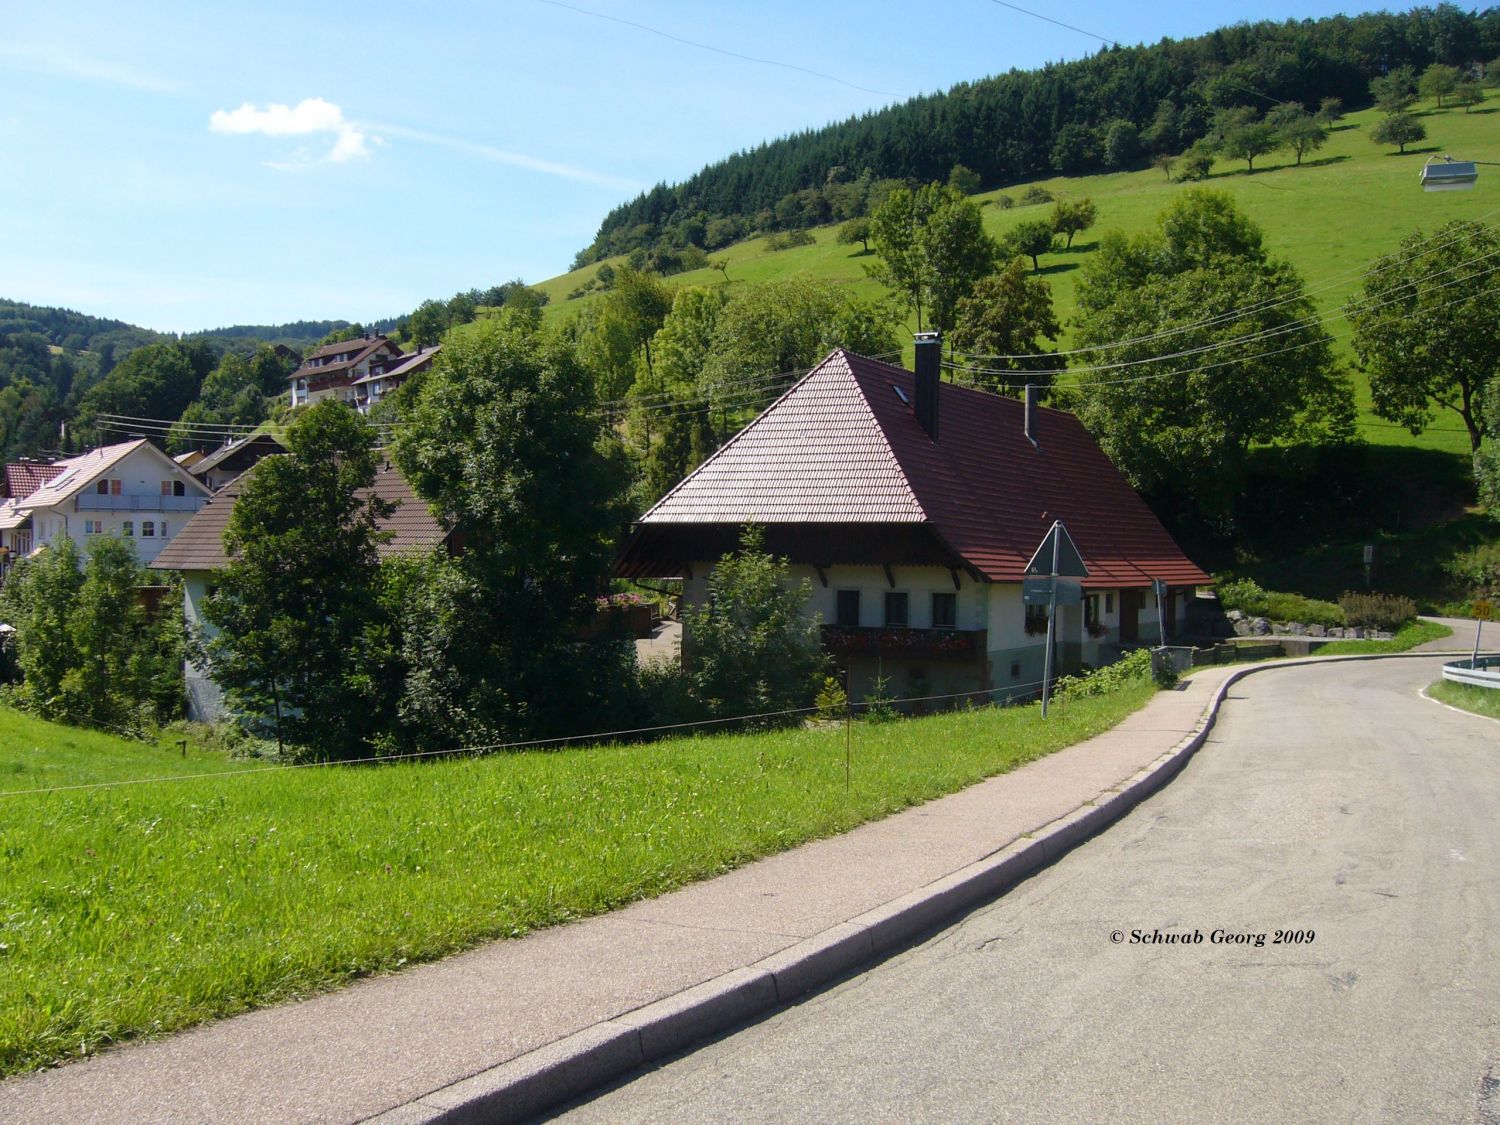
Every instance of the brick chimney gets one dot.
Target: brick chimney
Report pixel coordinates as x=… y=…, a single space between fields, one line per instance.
x=929 y=380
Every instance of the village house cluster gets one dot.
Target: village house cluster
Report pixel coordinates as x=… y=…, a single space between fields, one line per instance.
x=910 y=506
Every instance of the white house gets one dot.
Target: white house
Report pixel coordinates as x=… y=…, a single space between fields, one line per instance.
x=912 y=508
x=132 y=490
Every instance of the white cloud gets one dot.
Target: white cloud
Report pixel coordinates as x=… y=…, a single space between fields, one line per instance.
x=308 y=117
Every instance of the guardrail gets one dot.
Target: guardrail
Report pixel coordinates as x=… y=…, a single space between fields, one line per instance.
x=1484 y=672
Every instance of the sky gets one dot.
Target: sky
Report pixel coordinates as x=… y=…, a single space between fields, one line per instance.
x=186 y=166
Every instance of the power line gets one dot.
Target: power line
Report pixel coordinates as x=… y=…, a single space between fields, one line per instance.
x=723 y=51
x=1323 y=286
x=1108 y=42
x=1269 y=333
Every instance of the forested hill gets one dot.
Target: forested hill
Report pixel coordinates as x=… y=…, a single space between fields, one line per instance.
x=1110 y=110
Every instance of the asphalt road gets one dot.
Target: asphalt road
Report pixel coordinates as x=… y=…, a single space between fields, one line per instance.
x=1331 y=800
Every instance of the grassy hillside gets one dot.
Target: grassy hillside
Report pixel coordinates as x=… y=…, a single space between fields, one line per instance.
x=1349 y=203
x=137 y=909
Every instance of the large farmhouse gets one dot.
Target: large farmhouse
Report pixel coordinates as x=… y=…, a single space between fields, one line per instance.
x=913 y=507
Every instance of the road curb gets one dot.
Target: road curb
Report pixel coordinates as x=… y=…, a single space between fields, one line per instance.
x=568 y=1068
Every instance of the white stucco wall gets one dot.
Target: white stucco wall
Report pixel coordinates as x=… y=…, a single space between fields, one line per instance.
x=140 y=475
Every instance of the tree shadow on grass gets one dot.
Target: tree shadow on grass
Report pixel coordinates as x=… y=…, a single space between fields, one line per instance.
x=1080 y=247
x=1323 y=161
x=1056 y=267
x=1417 y=151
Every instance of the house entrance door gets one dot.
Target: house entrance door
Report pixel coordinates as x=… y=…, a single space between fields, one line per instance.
x=1130 y=617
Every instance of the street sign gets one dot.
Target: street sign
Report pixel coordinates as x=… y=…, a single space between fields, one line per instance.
x=1057 y=555
x=1483 y=611
x=1038 y=591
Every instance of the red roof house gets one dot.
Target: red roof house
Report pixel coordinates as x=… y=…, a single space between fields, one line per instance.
x=914 y=506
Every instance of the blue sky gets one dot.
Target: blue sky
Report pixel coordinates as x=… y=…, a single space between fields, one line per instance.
x=189 y=165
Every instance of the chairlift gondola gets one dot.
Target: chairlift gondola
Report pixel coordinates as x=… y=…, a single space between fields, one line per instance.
x=1449 y=175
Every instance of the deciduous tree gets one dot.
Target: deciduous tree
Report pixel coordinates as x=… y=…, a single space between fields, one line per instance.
x=504 y=441
x=1399 y=129
x=296 y=610
x=1427 y=326
x=1223 y=351
x=1070 y=217
x=1008 y=315
x=932 y=249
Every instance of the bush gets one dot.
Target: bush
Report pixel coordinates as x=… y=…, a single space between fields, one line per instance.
x=1134 y=668
x=1004 y=202
x=1195 y=167
x=1243 y=594
x=832 y=701
x=1034 y=194
x=1309 y=611
x=790 y=239
x=1377 y=611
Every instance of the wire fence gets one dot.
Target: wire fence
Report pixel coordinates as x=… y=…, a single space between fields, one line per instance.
x=847 y=713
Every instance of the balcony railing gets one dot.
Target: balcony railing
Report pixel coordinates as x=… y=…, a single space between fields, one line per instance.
x=963 y=644
x=94 y=502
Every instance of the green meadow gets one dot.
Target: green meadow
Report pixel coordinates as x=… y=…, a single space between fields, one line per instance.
x=212 y=886
x=1349 y=203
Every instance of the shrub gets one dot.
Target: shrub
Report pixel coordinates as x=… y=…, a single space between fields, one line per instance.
x=1034 y=194
x=1309 y=611
x=1133 y=668
x=877 y=706
x=832 y=701
x=790 y=239
x=1195 y=166
x=1243 y=594
x=1004 y=202
x=1377 y=611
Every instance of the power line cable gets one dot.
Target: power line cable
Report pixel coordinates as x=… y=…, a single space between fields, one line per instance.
x=723 y=51
x=1323 y=286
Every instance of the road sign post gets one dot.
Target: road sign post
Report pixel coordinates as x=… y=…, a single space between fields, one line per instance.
x=1483 y=611
x=1056 y=557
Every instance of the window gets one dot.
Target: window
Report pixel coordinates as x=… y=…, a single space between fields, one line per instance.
x=127 y=529
x=1091 y=610
x=102 y=488
x=173 y=488
x=1109 y=602
x=163 y=529
x=848 y=609
x=93 y=527
x=944 y=611
x=1036 y=620
x=148 y=529
x=897 y=613
x=107 y=486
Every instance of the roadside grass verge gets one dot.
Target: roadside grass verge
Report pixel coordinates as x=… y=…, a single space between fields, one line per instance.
x=1409 y=636
x=141 y=909
x=1467 y=697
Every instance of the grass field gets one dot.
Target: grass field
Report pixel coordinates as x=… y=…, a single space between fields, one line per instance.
x=1348 y=204
x=129 y=910
x=1481 y=701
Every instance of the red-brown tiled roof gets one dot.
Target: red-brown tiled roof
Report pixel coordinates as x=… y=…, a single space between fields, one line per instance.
x=200 y=543
x=844 y=447
x=22 y=478
x=352 y=351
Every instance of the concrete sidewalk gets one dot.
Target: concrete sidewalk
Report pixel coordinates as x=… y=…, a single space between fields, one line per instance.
x=512 y=1028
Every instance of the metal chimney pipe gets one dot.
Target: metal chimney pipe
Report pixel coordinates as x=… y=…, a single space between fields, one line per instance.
x=1031 y=389
x=929 y=379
